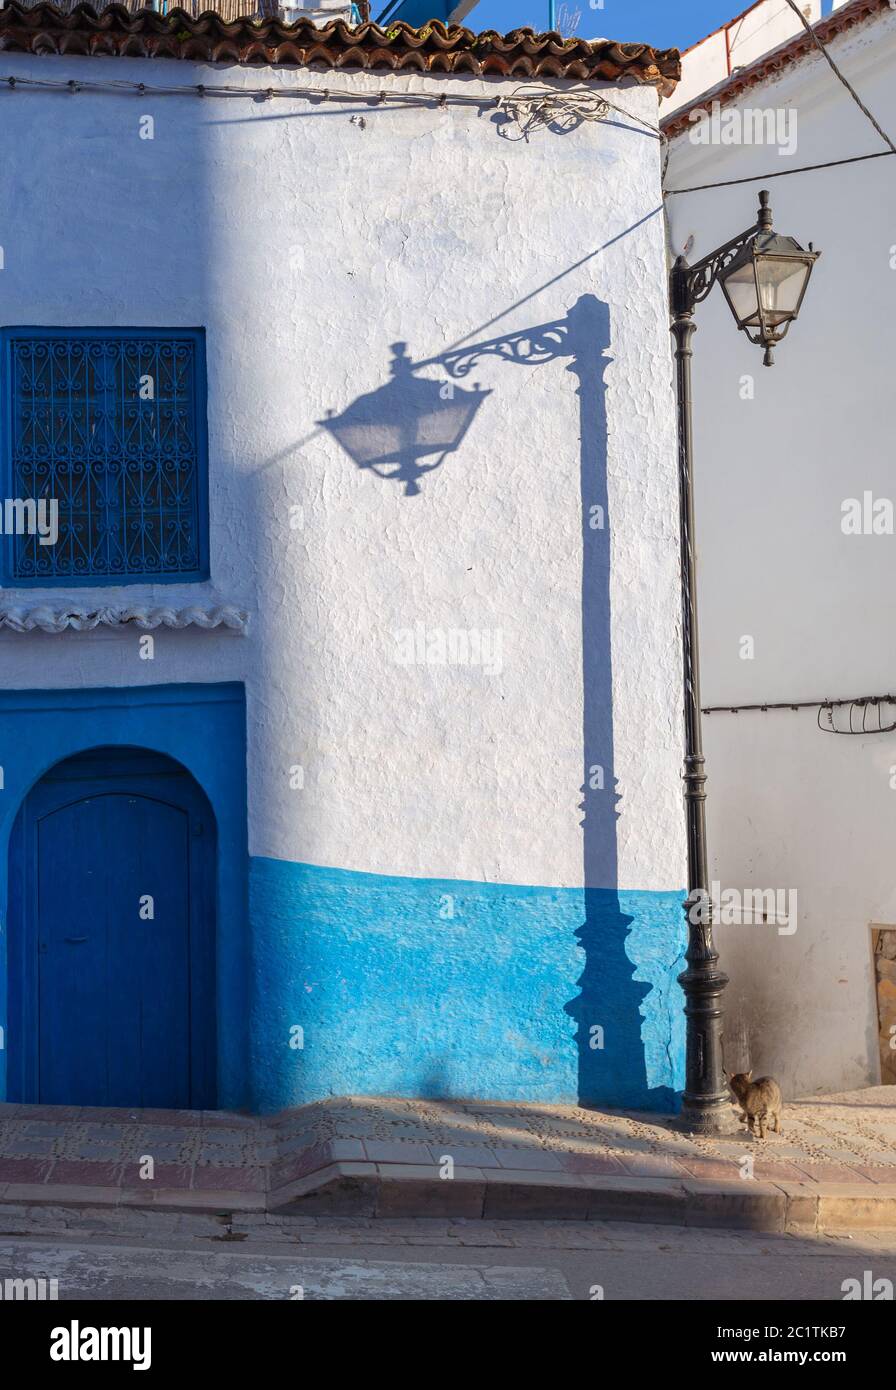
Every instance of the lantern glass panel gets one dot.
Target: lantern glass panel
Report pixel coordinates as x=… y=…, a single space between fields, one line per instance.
x=743 y=296
x=781 y=285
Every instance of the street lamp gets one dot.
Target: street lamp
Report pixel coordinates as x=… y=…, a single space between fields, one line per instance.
x=766 y=281
x=764 y=278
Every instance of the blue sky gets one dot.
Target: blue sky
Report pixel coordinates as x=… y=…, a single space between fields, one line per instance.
x=663 y=23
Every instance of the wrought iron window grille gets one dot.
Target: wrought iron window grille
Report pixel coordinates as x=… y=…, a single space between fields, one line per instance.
x=111 y=425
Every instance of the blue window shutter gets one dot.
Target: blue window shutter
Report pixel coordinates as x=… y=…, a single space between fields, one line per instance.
x=111 y=424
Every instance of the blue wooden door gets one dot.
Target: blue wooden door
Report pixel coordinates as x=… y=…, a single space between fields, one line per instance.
x=113 y=937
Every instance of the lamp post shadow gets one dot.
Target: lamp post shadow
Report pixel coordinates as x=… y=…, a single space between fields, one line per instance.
x=611 y=1003
x=393 y=431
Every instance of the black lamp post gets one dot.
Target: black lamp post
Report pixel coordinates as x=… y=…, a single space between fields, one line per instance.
x=764 y=277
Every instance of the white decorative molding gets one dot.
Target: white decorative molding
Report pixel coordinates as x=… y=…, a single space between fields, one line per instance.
x=47 y=619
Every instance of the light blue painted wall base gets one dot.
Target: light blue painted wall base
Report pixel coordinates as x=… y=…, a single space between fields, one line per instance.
x=410 y=987
x=438 y=988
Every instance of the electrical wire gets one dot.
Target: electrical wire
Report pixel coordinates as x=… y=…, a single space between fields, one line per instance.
x=833 y=66
x=531 y=108
x=825 y=709
x=779 y=173
x=799 y=704
x=258 y=94
x=805 y=168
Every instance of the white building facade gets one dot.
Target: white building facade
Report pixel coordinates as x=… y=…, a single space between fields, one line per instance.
x=319 y=763
x=735 y=46
x=793 y=478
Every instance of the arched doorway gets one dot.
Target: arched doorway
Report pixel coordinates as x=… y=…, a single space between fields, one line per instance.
x=112 y=936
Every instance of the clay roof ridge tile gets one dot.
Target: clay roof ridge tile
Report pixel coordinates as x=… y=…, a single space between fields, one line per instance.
x=43 y=28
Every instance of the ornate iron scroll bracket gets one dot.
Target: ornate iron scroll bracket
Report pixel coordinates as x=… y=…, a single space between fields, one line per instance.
x=527 y=349
x=692 y=283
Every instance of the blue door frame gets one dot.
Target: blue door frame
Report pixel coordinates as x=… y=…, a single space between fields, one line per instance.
x=203 y=728
x=111 y=1003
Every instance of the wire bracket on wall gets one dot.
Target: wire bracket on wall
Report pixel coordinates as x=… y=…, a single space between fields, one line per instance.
x=532 y=109
x=863 y=715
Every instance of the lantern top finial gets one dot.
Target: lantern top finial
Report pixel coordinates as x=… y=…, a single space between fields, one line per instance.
x=765 y=211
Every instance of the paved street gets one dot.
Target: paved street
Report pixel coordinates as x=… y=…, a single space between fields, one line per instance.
x=433 y=1260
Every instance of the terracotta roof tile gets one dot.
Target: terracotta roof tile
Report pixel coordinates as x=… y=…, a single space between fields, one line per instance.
x=432 y=48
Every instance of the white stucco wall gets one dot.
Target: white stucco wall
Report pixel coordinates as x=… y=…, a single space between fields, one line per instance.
x=736 y=45
x=790 y=807
x=306 y=242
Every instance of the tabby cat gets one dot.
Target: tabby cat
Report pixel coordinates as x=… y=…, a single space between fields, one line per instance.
x=760 y=1100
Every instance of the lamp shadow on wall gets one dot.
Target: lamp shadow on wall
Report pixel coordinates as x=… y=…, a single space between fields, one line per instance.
x=410 y=427
x=611 y=1009
x=407 y=428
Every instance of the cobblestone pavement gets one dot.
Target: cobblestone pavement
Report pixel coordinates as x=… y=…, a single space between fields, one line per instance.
x=834 y=1164
x=127 y=1254
x=853 y=1132
x=847 y=1138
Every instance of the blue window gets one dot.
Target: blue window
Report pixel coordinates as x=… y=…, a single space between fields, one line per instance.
x=110 y=424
